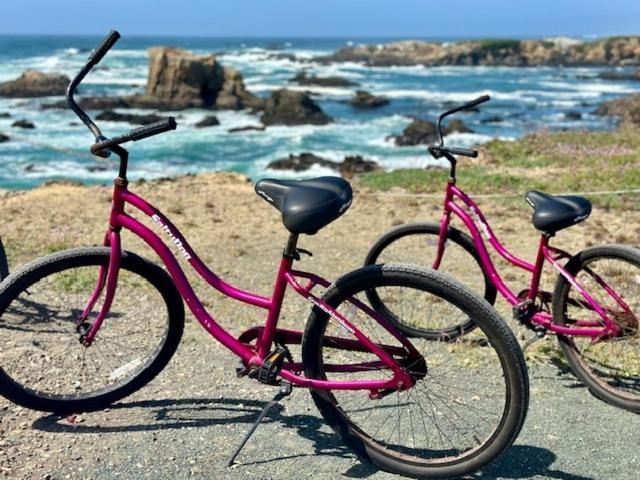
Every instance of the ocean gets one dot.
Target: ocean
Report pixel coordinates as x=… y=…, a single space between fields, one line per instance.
x=528 y=99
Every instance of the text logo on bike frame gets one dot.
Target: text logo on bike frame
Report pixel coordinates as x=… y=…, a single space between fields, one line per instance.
x=178 y=243
x=331 y=314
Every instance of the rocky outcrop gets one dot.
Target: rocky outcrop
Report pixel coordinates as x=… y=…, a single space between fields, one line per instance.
x=627 y=108
x=23 y=124
x=5 y=115
x=248 y=128
x=554 y=51
x=208 y=121
x=351 y=165
x=302 y=162
x=35 y=84
x=179 y=79
x=286 y=107
x=424 y=132
x=366 y=100
x=620 y=75
x=144 y=119
x=3 y=138
x=182 y=79
x=303 y=79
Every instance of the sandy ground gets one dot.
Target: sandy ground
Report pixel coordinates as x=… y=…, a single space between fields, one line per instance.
x=186 y=422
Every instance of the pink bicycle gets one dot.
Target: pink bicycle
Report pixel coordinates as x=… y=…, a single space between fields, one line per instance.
x=86 y=327
x=593 y=308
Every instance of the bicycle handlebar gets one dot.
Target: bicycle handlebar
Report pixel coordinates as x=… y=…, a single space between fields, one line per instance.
x=440 y=151
x=106 y=45
x=135 y=135
x=102 y=144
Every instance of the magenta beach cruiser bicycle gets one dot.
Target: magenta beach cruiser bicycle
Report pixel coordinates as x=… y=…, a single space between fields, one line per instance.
x=84 y=328
x=593 y=308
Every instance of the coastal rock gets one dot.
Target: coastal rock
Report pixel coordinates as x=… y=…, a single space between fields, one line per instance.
x=627 y=108
x=208 y=121
x=111 y=116
x=5 y=115
x=248 y=128
x=548 y=52
x=35 y=84
x=4 y=138
x=364 y=99
x=424 y=132
x=355 y=165
x=23 y=124
x=303 y=79
x=572 y=115
x=620 y=75
x=417 y=133
x=181 y=79
x=286 y=107
x=302 y=162
x=493 y=119
x=352 y=165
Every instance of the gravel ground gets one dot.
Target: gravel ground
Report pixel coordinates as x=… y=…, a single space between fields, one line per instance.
x=187 y=422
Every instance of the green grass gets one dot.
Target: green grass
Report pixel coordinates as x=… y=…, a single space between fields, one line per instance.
x=552 y=162
x=496 y=44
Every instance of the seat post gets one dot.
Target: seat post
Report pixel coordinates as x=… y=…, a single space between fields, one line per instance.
x=290 y=251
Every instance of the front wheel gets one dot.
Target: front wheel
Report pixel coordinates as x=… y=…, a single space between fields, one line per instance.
x=417 y=244
x=44 y=366
x=471 y=394
x=609 y=367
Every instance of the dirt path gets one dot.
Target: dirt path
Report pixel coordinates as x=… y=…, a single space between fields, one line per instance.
x=187 y=422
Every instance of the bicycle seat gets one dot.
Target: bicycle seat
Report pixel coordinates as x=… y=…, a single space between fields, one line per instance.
x=307 y=205
x=555 y=212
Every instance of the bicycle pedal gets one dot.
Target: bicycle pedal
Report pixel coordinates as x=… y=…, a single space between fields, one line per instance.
x=523 y=311
x=267 y=373
x=539 y=334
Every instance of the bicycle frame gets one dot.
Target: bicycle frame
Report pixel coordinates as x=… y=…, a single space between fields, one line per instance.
x=265 y=336
x=481 y=231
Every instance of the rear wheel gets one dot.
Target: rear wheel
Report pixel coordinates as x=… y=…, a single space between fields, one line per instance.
x=471 y=394
x=609 y=367
x=44 y=366
x=417 y=244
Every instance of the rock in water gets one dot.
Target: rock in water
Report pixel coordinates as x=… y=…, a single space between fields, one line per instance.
x=286 y=107
x=302 y=162
x=111 y=116
x=23 y=124
x=303 y=79
x=3 y=138
x=356 y=165
x=35 y=84
x=208 y=121
x=423 y=132
x=627 y=108
x=418 y=132
x=248 y=128
x=348 y=168
x=5 y=115
x=180 y=79
x=364 y=99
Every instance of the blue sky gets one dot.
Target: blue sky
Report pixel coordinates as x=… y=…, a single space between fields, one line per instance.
x=334 y=18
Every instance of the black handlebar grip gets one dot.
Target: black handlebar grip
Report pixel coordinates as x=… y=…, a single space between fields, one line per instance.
x=465 y=152
x=152 y=129
x=476 y=102
x=109 y=41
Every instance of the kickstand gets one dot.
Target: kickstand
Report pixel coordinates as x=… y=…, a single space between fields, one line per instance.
x=538 y=335
x=285 y=391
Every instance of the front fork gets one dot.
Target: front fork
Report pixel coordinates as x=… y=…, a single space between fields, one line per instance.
x=442 y=239
x=107 y=276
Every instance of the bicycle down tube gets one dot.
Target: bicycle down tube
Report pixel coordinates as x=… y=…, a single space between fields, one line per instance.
x=545 y=252
x=286 y=276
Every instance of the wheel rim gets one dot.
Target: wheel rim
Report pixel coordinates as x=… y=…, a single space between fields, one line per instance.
x=449 y=416
x=45 y=356
x=613 y=363
x=420 y=248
